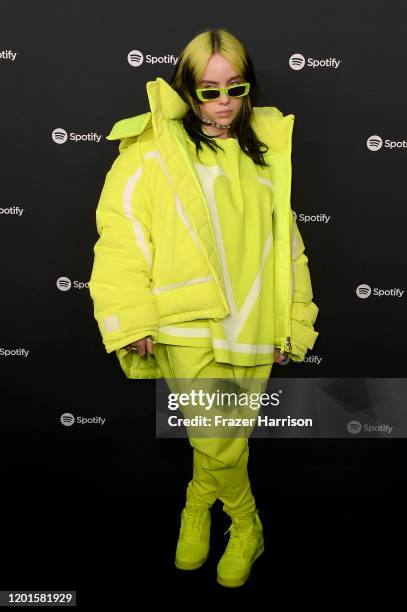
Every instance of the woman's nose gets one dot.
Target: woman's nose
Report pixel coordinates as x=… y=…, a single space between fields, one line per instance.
x=224 y=98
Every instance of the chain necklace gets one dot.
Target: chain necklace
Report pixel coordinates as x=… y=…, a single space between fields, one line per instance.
x=213 y=123
x=210 y=122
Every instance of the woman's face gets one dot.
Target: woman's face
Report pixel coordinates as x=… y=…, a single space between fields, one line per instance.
x=219 y=73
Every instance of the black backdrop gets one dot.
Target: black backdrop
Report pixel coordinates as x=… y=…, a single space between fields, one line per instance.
x=75 y=493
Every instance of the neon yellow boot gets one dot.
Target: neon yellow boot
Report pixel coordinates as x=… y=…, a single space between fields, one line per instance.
x=245 y=545
x=194 y=537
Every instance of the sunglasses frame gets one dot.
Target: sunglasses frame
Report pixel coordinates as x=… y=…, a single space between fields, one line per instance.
x=222 y=90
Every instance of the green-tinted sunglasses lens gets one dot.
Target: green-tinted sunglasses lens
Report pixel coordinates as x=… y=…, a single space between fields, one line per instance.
x=236 y=91
x=210 y=94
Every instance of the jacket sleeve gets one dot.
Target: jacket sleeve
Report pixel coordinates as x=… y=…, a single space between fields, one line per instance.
x=124 y=305
x=303 y=310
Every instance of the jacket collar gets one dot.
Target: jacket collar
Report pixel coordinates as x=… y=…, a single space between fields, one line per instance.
x=162 y=96
x=269 y=123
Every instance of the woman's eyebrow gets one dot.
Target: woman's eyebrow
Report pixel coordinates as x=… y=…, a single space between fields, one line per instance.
x=237 y=76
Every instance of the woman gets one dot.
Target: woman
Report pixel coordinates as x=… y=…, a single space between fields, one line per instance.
x=200 y=272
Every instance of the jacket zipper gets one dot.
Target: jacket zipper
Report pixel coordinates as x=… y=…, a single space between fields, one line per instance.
x=288 y=343
x=288 y=338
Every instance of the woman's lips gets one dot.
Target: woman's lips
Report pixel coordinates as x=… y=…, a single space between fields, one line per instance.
x=224 y=113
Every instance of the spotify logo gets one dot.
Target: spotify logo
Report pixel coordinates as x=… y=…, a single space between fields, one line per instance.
x=9 y=55
x=64 y=283
x=59 y=135
x=297 y=61
x=67 y=419
x=135 y=58
x=354 y=427
x=374 y=143
x=363 y=291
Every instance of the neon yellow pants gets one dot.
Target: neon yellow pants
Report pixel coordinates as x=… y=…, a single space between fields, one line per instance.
x=220 y=464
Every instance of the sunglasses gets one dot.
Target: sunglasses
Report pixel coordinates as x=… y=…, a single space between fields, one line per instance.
x=237 y=90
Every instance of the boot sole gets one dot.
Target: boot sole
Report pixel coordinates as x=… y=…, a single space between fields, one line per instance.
x=237 y=582
x=182 y=565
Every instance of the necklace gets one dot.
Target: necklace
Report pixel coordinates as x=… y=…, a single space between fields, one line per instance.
x=213 y=123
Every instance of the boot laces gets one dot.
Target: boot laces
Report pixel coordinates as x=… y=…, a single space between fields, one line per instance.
x=238 y=537
x=194 y=515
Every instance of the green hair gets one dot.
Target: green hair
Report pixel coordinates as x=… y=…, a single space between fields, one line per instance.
x=188 y=72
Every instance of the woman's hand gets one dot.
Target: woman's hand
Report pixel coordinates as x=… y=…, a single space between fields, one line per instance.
x=278 y=355
x=141 y=345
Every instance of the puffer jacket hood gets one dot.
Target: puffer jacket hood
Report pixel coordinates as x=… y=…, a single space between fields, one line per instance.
x=142 y=278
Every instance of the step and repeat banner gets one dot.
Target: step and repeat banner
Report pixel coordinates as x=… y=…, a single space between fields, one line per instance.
x=67 y=75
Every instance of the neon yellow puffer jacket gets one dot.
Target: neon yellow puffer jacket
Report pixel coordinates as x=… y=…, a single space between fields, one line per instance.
x=156 y=261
